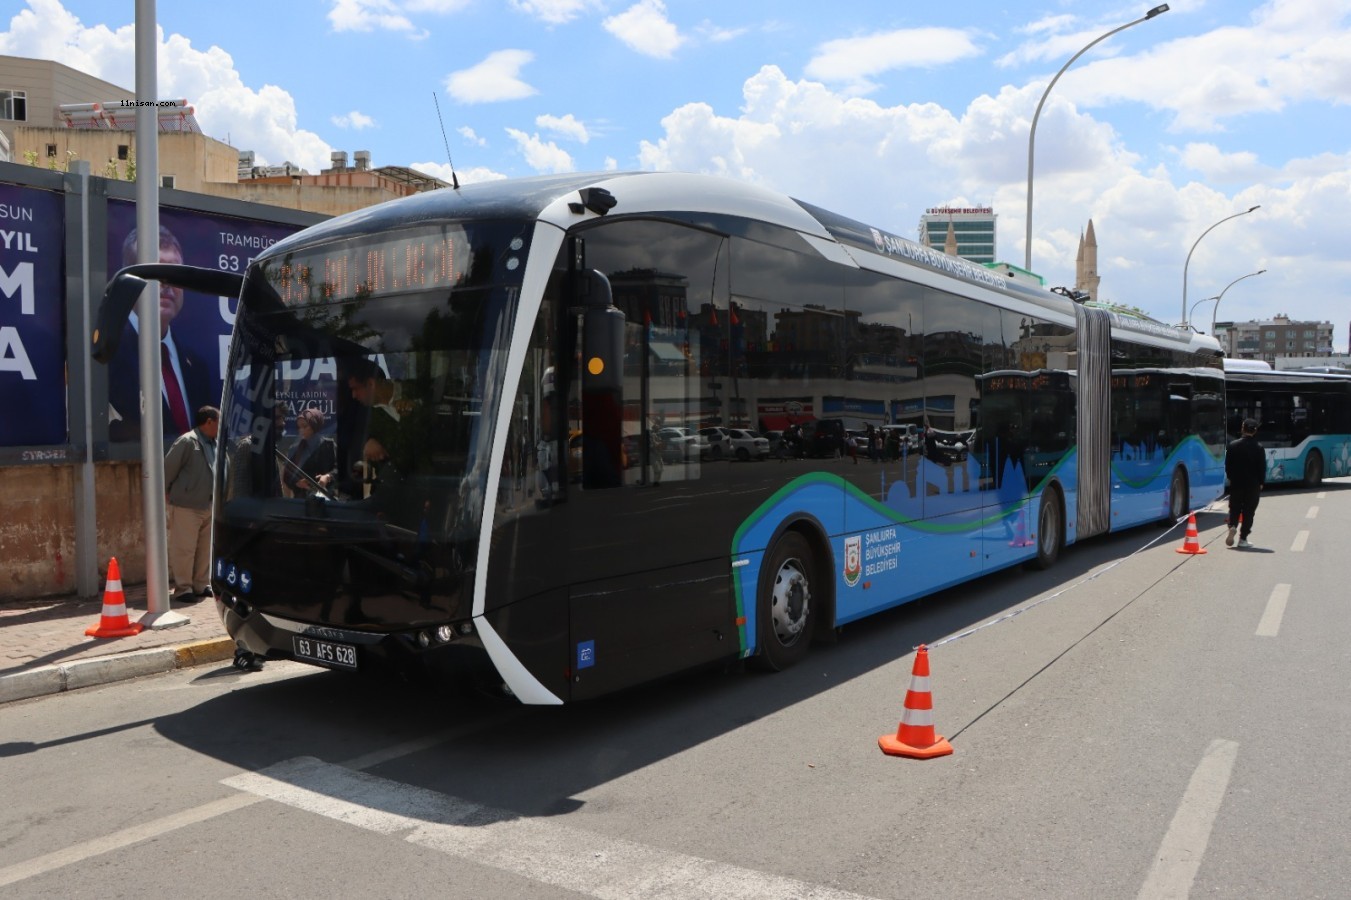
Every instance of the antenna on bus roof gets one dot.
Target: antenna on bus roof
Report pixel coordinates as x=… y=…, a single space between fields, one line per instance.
x=455 y=182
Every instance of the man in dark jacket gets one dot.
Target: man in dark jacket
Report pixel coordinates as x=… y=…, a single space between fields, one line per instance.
x=1245 y=464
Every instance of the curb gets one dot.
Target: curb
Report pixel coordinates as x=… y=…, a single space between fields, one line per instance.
x=107 y=669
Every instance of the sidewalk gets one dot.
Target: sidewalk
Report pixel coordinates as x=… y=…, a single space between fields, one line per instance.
x=44 y=650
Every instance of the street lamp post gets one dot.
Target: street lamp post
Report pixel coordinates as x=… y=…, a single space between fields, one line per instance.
x=1198 y=303
x=1216 y=309
x=1032 y=132
x=1185 y=311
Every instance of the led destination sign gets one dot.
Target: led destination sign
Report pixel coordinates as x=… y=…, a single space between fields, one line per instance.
x=367 y=267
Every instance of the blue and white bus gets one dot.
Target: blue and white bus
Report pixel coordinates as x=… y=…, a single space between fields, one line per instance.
x=1305 y=418
x=498 y=365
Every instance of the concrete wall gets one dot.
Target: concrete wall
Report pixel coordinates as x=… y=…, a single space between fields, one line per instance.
x=37 y=527
x=194 y=160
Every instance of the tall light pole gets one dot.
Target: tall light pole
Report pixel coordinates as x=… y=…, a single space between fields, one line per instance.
x=1216 y=308
x=1185 y=265
x=1032 y=132
x=1198 y=303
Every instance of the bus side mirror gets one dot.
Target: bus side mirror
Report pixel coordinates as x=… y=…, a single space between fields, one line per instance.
x=602 y=338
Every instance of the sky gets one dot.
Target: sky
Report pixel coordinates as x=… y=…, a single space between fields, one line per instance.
x=874 y=110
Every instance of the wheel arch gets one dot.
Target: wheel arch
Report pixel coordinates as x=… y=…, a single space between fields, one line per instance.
x=815 y=534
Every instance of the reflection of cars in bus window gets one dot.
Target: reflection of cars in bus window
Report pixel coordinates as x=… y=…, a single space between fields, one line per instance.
x=746 y=444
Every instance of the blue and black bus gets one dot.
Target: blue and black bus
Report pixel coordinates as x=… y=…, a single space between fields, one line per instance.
x=501 y=367
x=1305 y=418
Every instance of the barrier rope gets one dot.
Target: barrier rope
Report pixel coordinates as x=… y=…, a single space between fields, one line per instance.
x=1060 y=593
x=1109 y=567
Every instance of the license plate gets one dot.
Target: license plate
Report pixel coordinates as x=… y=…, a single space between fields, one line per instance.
x=326 y=653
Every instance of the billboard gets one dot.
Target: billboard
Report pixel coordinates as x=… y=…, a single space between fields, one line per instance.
x=195 y=328
x=32 y=317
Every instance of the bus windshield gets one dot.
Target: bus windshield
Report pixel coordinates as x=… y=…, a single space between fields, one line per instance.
x=362 y=382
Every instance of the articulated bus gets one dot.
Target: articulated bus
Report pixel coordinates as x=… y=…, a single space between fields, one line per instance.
x=1305 y=418
x=511 y=373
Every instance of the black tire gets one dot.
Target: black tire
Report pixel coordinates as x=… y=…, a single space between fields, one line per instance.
x=1313 y=469
x=1178 y=495
x=785 y=608
x=743 y=454
x=1050 y=529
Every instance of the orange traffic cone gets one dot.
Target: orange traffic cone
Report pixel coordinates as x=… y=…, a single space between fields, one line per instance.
x=915 y=737
x=1020 y=536
x=1191 y=543
x=114 y=622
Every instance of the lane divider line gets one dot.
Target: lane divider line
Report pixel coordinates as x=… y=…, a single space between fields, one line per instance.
x=1271 y=617
x=1300 y=540
x=1184 y=844
x=1313 y=513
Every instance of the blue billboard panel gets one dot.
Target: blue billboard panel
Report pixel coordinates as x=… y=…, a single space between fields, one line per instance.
x=32 y=318
x=194 y=328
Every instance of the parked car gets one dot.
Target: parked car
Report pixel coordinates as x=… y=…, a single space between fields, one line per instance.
x=719 y=442
x=626 y=458
x=825 y=437
x=902 y=437
x=746 y=444
x=680 y=444
x=775 y=438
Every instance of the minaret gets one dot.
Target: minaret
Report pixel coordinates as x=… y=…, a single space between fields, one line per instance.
x=1086 y=264
x=950 y=245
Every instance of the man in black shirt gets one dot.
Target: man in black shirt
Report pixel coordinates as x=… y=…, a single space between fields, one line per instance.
x=1245 y=464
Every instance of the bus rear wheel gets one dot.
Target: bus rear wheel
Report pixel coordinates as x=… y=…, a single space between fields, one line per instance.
x=784 y=608
x=1050 y=529
x=1313 y=469
x=1178 y=495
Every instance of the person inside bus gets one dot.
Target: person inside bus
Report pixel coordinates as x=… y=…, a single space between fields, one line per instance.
x=376 y=434
x=1245 y=465
x=313 y=460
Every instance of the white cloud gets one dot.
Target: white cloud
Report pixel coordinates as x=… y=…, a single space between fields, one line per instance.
x=387 y=15
x=368 y=15
x=567 y=127
x=1226 y=168
x=1294 y=51
x=259 y=119
x=555 y=12
x=611 y=164
x=645 y=29
x=496 y=78
x=716 y=34
x=465 y=176
x=540 y=155
x=471 y=136
x=354 y=120
x=856 y=60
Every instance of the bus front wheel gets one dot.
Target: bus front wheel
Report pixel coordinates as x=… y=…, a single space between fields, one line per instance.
x=1313 y=469
x=784 y=607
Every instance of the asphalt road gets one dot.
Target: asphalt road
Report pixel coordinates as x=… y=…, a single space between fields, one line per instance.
x=1171 y=725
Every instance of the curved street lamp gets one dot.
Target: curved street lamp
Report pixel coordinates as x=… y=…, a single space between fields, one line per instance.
x=1216 y=310
x=1032 y=132
x=1185 y=311
x=1196 y=304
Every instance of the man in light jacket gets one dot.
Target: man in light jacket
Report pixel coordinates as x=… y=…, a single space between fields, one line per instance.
x=189 y=478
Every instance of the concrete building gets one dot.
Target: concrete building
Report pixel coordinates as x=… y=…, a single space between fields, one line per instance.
x=31 y=90
x=1277 y=337
x=973 y=228
x=51 y=114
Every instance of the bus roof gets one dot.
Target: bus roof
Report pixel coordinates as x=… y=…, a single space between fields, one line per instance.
x=555 y=198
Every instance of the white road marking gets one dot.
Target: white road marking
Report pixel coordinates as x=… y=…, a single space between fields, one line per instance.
x=1300 y=540
x=1322 y=495
x=1184 y=844
x=573 y=859
x=75 y=853
x=1313 y=513
x=41 y=865
x=1271 y=618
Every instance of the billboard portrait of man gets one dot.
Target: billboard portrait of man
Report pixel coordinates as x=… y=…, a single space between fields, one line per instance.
x=187 y=378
